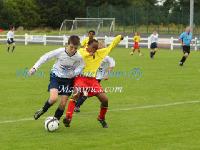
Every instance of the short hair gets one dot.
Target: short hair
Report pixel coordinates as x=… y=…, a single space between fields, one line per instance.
x=92 y=41
x=92 y=31
x=74 y=39
x=188 y=27
x=11 y=27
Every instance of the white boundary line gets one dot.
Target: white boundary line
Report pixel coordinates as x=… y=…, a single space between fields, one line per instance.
x=115 y=110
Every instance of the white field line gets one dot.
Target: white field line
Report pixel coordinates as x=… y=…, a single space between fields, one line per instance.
x=116 y=110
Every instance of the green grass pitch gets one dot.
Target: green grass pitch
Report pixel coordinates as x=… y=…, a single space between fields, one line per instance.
x=161 y=111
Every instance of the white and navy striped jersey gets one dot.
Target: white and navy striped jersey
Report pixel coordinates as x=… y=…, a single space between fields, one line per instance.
x=10 y=35
x=154 y=38
x=108 y=62
x=65 y=66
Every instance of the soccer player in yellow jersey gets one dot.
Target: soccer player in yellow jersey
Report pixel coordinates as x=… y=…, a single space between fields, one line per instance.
x=87 y=84
x=136 y=40
x=91 y=35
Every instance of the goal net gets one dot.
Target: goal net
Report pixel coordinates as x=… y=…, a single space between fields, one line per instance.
x=83 y=25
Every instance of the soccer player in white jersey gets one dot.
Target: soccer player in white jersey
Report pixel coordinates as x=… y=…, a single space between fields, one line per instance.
x=107 y=66
x=10 y=38
x=69 y=64
x=154 y=44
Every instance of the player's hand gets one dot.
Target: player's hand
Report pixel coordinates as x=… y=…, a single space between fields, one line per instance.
x=31 y=71
x=122 y=37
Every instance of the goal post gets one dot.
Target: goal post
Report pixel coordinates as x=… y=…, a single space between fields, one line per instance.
x=83 y=25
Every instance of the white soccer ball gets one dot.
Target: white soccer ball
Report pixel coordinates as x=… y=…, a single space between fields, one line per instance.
x=51 y=124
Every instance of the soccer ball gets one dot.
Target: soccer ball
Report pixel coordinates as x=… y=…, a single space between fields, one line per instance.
x=51 y=124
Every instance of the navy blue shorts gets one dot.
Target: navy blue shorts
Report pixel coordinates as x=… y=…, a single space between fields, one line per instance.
x=186 y=49
x=64 y=85
x=154 y=45
x=10 y=41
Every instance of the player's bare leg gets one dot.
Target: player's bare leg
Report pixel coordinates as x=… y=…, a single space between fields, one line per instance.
x=133 y=50
x=103 y=109
x=13 y=47
x=140 y=54
x=8 y=47
x=52 y=99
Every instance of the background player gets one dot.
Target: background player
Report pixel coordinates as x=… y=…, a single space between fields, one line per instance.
x=91 y=35
x=185 y=38
x=154 y=44
x=107 y=66
x=68 y=64
x=136 y=46
x=10 y=38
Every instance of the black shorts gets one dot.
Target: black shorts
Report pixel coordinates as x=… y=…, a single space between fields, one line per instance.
x=64 y=85
x=10 y=41
x=186 y=49
x=154 y=45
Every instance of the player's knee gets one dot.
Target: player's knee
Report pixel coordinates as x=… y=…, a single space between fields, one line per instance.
x=53 y=98
x=63 y=104
x=104 y=104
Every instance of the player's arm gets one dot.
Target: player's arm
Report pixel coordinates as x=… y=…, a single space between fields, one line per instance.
x=111 y=66
x=181 y=39
x=134 y=38
x=105 y=51
x=83 y=43
x=43 y=59
x=8 y=36
x=139 y=38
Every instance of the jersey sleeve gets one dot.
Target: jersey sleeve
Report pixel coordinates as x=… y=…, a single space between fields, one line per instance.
x=110 y=61
x=84 y=42
x=181 y=36
x=47 y=56
x=105 y=51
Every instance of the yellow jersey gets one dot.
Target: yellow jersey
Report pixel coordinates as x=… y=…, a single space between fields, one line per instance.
x=136 y=38
x=92 y=63
x=84 y=43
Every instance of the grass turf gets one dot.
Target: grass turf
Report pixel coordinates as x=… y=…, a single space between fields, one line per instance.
x=155 y=128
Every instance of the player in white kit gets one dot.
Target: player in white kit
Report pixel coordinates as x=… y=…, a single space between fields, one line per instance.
x=10 y=39
x=154 y=44
x=69 y=64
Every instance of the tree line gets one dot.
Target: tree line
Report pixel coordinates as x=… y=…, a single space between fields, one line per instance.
x=50 y=13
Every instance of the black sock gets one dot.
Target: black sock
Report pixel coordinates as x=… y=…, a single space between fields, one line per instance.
x=183 y=59
x=80 y=101
x=8 y=48
x=13 y=48
x=151 y=54
x=46 y=106
x=59 y=112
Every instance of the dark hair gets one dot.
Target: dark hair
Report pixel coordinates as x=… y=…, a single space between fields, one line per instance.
x=92 y=41
x=74 y=39
x=92 y=31
x=11 y=27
